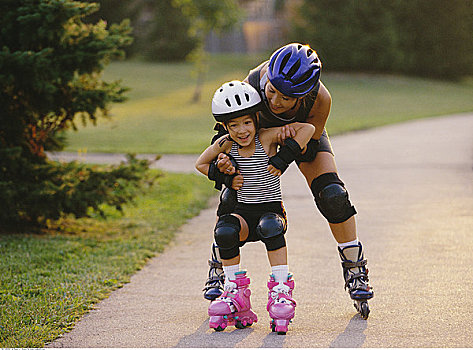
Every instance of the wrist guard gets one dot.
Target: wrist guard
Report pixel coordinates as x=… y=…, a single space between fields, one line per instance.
x=286 y=155
x=311 y=152
x=219 y=177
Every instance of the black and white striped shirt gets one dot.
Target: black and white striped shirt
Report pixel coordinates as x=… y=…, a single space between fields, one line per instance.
x=259 y=186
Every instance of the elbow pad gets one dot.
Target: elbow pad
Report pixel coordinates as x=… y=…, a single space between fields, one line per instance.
x=286 y=155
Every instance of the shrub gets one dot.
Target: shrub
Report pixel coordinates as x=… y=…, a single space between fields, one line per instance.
x=50 y=75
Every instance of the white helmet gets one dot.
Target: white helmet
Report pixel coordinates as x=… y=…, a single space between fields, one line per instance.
x=235 y=99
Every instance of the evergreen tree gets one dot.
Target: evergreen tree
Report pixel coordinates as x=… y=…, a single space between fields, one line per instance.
x=50 y=75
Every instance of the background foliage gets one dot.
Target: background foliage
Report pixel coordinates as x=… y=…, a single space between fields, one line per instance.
x=50 y=74
x=431 y=38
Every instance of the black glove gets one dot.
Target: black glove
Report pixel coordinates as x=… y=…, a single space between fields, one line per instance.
x=286 y=155
x=219 y=177
x=311 y=152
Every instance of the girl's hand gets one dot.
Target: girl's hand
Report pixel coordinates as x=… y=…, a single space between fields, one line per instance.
x=274 y=171
x=286 y=132
x=224 y=164
x=237 y=182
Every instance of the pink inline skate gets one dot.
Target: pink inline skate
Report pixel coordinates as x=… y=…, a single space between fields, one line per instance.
x=281 y=306
x=233 y=307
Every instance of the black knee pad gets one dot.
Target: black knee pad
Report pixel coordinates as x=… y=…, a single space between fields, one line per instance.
x=227 y=236
x=228 y=201
x=271 y=229
x=331 y=198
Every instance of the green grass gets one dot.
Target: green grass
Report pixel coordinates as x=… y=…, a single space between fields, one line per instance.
x=49 y=280
x=366 y=101
x=159 y=117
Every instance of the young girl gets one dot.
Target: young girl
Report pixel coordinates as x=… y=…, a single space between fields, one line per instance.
x=259 y=214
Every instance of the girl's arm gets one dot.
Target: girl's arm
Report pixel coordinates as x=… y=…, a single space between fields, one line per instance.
x=293 y=147
x=219 y=149
x=302 y=133
x=222 y=145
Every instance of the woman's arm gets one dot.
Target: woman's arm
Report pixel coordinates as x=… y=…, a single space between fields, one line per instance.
x=318 y=116
x=320 y=111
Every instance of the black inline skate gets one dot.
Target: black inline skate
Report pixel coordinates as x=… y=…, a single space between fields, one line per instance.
x=355 y=274
x=214 y=284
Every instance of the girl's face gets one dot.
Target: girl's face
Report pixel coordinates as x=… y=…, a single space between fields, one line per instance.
x=278 y=103
x=242 y=130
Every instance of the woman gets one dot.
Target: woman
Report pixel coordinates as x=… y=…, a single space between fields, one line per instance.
x=290 y=87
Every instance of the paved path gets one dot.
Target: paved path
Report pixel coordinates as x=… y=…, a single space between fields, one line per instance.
x=412 y=185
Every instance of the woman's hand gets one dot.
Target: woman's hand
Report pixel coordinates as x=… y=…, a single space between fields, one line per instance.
x=286 y=131
x=224 y=164
x=274 y=171
x=237 y=182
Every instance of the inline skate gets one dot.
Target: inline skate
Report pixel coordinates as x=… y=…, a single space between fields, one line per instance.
x=355 y=274
x=233 y=307
x=281 y=306
x=214 y=284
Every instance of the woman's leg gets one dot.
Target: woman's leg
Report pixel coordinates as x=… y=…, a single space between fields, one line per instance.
x=322 y=164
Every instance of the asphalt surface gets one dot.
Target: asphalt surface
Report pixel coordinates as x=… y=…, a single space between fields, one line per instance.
x=412 y=185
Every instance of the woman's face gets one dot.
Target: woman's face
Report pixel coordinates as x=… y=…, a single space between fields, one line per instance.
x=242 y=130
x=278 y=103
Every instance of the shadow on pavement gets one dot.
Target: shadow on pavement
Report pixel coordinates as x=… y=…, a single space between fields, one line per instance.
x=273 y=340
x=205 y=337
x=352 y=336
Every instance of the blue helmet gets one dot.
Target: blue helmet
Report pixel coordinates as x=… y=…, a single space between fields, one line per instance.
x=294 y=69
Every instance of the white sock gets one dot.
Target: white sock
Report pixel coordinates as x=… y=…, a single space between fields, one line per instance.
x=280 y=273
x=230 y=272
x=347 y=244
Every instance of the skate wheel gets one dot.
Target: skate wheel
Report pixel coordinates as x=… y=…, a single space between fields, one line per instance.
x=219 y=328
x=242 y=325
x=281 y=333
x=364 y=310
x=239 y=325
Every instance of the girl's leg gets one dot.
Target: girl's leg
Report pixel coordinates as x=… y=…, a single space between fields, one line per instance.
x=232 y=265
x=279 y=267
x=278 y=256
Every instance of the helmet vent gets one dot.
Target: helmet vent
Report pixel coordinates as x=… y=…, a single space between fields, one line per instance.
x=299 y=47
x=227 y=101
x=284 y=62
x=305 y=77
x=230 y=84
x=293 y=69
x=238 y=100
x=309 y=52
x=247 y=97
x=221 y=90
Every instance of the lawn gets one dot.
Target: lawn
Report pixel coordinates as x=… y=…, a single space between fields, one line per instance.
x=48 y=280
x=159 y=116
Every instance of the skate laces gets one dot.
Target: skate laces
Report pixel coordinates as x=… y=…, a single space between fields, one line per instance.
x=279 y=291
x=230 y=291
x=358 y=280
